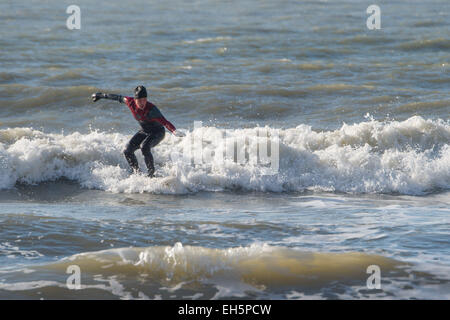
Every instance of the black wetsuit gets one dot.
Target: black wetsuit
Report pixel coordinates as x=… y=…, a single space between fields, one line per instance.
x=152 y=123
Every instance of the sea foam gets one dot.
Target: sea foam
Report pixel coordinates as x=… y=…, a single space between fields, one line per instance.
x=405 y=157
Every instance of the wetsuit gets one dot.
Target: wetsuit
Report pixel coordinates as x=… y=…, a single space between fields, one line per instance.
x=152 y=123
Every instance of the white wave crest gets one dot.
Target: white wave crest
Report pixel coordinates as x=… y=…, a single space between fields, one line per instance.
x=407 y=157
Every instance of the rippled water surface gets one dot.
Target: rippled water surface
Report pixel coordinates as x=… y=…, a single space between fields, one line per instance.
x=360 y=118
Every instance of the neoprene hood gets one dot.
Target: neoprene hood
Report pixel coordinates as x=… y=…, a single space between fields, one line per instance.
x=140 y=92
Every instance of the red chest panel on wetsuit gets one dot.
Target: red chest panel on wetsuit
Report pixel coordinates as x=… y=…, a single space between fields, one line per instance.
x=149 y=116
x=138 y=113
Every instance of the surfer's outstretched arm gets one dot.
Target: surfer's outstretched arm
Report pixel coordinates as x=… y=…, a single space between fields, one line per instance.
x=111 y=96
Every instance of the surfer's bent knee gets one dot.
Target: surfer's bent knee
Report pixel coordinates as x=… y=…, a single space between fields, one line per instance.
x=129 y=149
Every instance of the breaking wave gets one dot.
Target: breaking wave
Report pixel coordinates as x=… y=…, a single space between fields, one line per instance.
x=400 y=157
x=198 y=272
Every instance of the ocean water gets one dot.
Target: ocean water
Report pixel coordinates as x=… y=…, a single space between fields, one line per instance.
x=357 y=120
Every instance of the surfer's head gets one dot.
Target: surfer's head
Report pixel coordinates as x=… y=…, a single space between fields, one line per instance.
x=140 y=96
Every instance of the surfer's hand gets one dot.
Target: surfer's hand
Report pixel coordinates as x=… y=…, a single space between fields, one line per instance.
x=97 y=96
x=178 y=134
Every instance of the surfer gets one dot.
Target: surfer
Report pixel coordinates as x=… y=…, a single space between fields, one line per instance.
x=152 y=123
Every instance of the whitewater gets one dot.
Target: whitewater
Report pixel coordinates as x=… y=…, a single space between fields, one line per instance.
x=323 y=151
x=409 y=157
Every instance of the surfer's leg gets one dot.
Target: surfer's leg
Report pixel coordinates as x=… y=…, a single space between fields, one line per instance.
x=152 y=140
x=131 y=147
